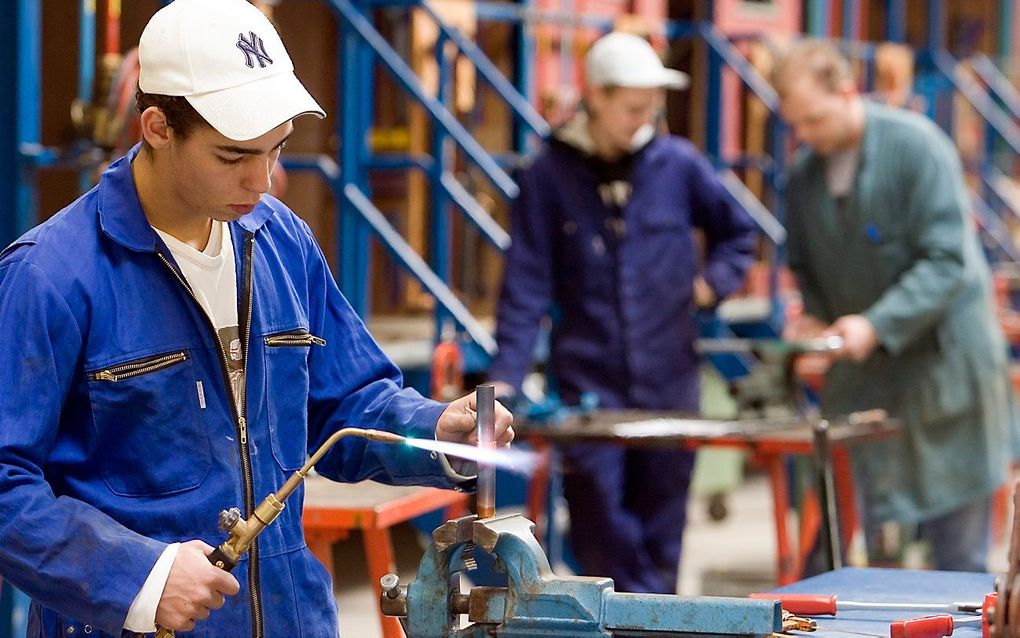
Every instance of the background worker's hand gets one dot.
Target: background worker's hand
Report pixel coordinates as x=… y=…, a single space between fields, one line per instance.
x=803 y=327
x=859 y=337
x=193 y=588
x=704 y=295
x=457 y=423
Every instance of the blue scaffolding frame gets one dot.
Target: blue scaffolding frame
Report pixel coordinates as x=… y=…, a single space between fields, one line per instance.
x=361 y=47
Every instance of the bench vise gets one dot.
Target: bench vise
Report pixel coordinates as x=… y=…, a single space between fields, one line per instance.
x=537 y=602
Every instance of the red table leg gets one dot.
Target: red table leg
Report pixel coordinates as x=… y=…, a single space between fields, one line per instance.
x=379 y=554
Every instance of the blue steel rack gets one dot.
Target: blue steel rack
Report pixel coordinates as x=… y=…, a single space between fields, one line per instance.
x=362 y=46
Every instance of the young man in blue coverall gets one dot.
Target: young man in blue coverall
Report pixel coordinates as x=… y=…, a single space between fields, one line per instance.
x=604 y=232
x=174 y=345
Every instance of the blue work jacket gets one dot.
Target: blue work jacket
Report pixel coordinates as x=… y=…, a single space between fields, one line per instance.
x=120 y=434
x=624 y=325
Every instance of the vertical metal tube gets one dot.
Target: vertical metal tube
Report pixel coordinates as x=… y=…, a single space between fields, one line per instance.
x=485 y=403
x=827 y=494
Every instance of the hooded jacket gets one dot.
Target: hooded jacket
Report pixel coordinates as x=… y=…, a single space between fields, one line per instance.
x=609 y=250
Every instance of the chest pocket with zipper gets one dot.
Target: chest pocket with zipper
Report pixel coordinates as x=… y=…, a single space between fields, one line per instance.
x=286 y=355
x=145 y=410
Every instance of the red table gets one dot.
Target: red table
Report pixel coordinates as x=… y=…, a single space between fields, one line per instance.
x=769 y=442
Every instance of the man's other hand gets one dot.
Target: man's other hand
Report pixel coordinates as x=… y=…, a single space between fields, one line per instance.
x=193 y=589
x=457 y=423
x=803 y=327
x=859 y=337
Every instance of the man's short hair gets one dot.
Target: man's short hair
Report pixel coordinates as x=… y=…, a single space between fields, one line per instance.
x=816 y=59
x=179 y=114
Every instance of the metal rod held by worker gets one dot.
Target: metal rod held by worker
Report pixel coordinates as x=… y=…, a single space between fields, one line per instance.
x=827 y=494
x=485 y=404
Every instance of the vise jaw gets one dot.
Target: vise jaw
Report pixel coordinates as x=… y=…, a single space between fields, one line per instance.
x=537 y=602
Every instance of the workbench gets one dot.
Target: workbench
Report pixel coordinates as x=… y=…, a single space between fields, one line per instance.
x=332 y=510
x=890 y=585
x=769 y=442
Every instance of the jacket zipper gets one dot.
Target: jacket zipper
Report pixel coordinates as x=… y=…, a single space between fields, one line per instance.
x=239 y=415
x=137 y=368
x=294 y=339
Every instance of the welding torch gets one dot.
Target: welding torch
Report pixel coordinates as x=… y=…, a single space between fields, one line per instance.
x=244 y=531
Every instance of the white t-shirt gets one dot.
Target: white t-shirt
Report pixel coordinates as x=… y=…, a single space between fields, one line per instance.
x=212 y=275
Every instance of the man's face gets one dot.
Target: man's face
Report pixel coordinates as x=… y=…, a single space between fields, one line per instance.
x=219 y=178
x=820 y=118
x=620 y=112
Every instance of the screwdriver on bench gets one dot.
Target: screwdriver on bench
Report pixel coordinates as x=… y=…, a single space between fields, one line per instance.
x=820 y=605
x=932 y=626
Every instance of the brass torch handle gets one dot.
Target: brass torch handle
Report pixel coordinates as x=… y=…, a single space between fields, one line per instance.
x=243 y=534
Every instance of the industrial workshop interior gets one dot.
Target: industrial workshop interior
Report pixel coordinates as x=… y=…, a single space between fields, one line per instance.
x=515 y=318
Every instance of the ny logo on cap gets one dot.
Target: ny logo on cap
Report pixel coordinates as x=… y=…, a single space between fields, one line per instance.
x=253 y=49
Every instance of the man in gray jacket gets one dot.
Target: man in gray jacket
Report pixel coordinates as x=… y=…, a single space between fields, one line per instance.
x=881 y=242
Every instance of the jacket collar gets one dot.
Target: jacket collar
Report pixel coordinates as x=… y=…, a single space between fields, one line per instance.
x=120 y=211
x=574 y=133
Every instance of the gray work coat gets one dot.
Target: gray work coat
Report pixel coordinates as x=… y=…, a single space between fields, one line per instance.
x=901 y=250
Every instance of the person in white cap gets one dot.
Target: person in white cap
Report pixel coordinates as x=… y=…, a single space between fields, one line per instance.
x=175 y=345
x=603 y=241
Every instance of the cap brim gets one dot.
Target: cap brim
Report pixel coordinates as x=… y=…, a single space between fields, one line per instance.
x=673 y=79
x=250 y=110
x=661 y=79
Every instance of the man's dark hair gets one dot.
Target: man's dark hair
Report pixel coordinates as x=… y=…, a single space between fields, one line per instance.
x=179 y=114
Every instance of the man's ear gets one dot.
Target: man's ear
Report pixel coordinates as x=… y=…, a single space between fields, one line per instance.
x=155 y=129
x=847 y=89
x=594 y=98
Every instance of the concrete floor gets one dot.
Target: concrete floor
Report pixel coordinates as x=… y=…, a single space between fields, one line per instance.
x=730 y=557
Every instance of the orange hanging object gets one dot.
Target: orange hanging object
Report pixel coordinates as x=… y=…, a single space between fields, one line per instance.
x=447 y=368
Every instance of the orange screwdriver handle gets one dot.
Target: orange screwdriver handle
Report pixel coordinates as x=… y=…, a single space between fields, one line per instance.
x=803 y=604
x=927 y=627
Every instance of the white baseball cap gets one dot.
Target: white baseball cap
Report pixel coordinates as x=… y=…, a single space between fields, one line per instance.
x=227 y=60
x=626 y=60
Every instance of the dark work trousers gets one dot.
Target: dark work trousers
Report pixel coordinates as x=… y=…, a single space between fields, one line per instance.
x=628 y=507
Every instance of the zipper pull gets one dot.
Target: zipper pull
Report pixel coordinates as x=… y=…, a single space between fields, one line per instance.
x=319 y=341
x=244 y=430
x=105 y=375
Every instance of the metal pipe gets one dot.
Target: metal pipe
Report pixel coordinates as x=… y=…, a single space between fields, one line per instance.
x=485 y=404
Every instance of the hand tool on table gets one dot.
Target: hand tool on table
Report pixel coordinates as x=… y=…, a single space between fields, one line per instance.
x=822 y=605
x=935 y=626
